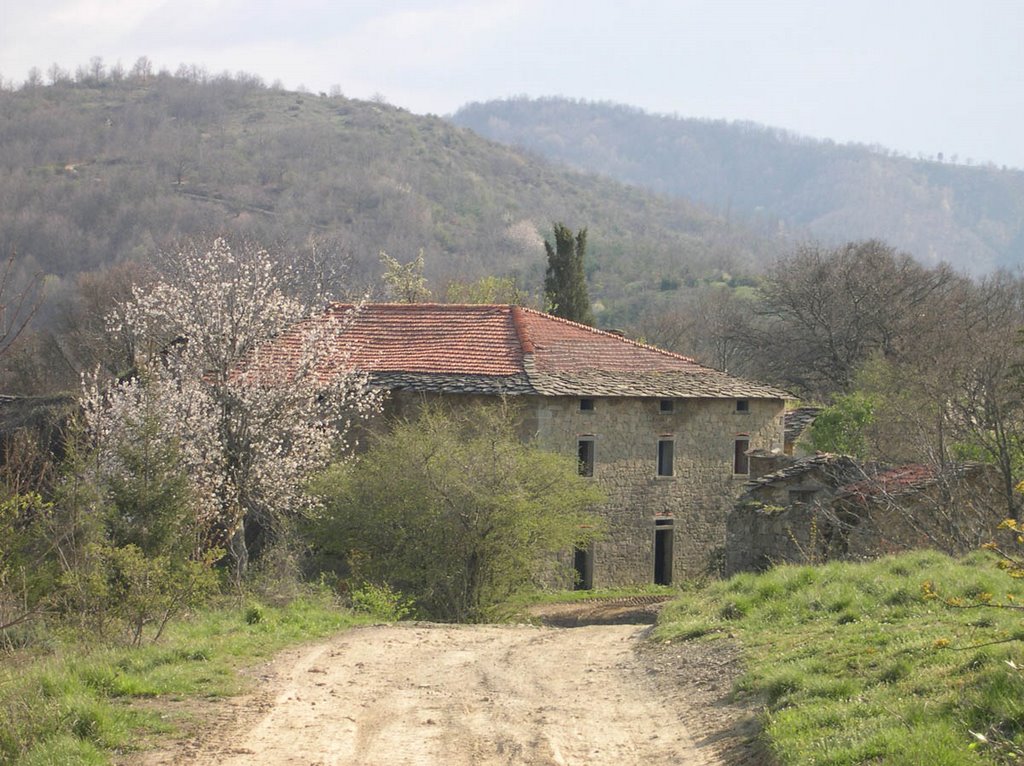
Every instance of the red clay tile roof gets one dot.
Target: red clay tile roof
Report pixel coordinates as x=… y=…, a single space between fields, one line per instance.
x=486 y=348
x=894 y=481
x=565 y=347
x=432 y=337
x=912 y=478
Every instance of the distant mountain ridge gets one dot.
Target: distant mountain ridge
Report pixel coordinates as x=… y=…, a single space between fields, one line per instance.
x=969 y=216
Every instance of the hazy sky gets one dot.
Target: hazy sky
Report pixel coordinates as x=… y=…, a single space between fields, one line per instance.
x=920 y=76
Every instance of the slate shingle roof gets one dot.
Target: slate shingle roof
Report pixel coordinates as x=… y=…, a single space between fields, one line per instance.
x=511 y=349
x=840 y=466
x=799 y=420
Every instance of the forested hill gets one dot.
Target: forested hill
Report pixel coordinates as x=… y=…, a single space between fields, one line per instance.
x=102 y=171
x=935 y=209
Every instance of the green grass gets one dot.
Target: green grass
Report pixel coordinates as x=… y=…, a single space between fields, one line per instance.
x=855 y=665
x=74 y=705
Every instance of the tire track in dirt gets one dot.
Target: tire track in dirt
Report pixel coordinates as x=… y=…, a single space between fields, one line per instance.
x=421 y=694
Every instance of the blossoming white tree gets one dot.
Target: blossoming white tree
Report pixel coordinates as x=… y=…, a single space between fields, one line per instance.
x=251 y=419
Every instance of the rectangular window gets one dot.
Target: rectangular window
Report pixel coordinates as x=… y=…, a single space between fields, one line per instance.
x=742 y=405
x=666 y=448
x=740 y=461
x=586 y=405
x=666 y=405
x=586 y=456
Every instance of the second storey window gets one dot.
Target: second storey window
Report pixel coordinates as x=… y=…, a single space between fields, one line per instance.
x=666 y=448
x=586 y=405
x=586 y=456
x=740 y=461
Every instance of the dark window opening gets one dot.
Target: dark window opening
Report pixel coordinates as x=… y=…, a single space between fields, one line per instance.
x=666 y=447
x=801 y=496
x=666 y=405
x=586 y=405
x=583 y=566
x=586 y=457
x=742 y=405
x=740 y=461
x=663 y=551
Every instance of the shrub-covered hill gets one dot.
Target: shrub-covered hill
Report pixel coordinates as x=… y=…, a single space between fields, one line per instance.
x=935 y=209
x=906 y=660
x=101 y=171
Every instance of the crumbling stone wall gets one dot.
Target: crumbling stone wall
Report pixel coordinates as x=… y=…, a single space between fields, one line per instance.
x=767 y=528
x=761 y=534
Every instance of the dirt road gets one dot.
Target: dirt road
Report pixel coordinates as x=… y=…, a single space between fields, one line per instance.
x=443 y=695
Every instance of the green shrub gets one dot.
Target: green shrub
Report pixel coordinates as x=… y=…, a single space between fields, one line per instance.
x=381 y=602
x=454 y=511
x=253 y=614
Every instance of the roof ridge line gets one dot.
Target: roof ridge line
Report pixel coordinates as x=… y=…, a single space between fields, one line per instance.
x=522 y=331
x=423 y=304
x=617 y=336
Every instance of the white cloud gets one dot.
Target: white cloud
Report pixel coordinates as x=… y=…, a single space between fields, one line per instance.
x=109 y=17
x=920 y=73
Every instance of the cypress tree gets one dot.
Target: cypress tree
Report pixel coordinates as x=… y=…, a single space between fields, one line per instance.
x=565 y=283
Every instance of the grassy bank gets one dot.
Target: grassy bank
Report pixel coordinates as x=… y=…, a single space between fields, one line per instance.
x=80 y=704
x=856 y=664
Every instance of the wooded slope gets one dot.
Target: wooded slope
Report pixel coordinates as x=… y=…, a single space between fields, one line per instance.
x=93 y=173
x=970 y=217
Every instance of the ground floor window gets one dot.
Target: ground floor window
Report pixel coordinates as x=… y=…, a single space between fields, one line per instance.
x=583 y=568
x=586 y=456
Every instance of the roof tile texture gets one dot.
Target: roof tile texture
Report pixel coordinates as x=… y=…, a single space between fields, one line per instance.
x=428 y=337
x=448 y=345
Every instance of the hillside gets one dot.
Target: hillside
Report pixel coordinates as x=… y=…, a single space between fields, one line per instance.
x=99 y=172
x=970 y=217
x=906 y=660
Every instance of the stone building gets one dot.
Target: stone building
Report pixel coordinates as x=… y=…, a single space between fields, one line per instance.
x=664 y=437
x=953 y=508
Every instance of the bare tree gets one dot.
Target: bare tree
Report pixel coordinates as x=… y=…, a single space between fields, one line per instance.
x=18 y=302
x=953 y=390
x=711 y=324
x=825 y=311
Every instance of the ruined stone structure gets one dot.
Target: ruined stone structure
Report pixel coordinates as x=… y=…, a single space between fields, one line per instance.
x=783 y=514
x=832 y=507
x=664 y=437
x=798 y=421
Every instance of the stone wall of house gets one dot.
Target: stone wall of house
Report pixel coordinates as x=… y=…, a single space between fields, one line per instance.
x=696 y=497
